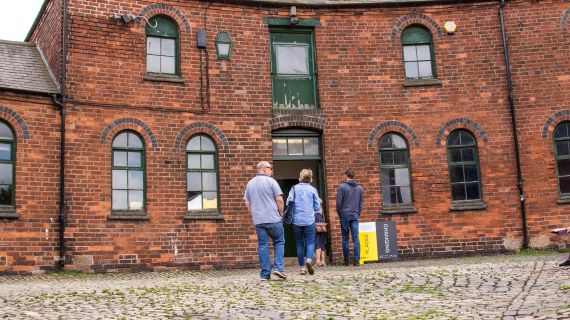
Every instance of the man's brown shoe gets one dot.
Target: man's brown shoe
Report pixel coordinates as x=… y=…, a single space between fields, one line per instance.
x=309 y=265
x=565 y=263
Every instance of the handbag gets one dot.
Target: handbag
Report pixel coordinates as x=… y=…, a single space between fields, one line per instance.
x=321 y=227
x=288 y=214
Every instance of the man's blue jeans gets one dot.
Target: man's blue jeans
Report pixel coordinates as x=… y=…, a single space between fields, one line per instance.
x=305 y=242
x=349 y=222
x=275 y=232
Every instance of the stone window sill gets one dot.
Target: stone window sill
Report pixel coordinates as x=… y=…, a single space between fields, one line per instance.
x=421 y=82
x=564 y=200
x=8 y=212
x=128 y=215
x=203 y=215
x=466 y=205
x=163 y=77
x=398 y=209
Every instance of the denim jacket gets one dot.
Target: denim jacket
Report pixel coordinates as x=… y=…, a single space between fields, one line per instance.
x=306 y=204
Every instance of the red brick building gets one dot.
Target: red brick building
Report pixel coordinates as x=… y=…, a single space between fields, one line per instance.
x=162 y=127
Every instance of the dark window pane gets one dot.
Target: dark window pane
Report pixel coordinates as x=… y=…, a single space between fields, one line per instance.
x=466 y=139
x=456 y=174
x=193 y=144
x=458 y=191
x=119 y=159
x=565 y=185
x=471 y=173
x=5 y=131
x=453 y=139
x=562 y=148
x=5 y=151
x=388 y=176
x=6 y=194
x=279 y=146
x=402 y=177
x=563 y=167
x=400 y=158
x=120 y=141
x=468 y=154
x=562 y=131
x=387 y=158
x=134 y=141
x=207 y=144
x=387 y=199
x=472 y=191
x=395 y=195
x=386 y=142
x=135 y=159
x=455 y=155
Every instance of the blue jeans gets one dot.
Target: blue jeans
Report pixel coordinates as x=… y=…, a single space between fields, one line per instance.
x=305 y=242
x=350 y=221
x=275 y=232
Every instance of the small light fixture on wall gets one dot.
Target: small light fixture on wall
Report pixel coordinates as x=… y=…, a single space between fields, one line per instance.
x=450 y=27
x=223 y=45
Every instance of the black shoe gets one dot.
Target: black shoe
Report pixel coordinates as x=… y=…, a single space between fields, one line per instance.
x=356 y=264
x=565 y=263
x=346 y=264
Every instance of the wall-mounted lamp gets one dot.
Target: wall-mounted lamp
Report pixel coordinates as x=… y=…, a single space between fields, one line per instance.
x=129 y=17
x=293 y=16
x=223 y=45
x=450 y=27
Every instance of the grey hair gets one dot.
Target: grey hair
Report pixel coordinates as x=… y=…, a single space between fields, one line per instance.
x=263 y=164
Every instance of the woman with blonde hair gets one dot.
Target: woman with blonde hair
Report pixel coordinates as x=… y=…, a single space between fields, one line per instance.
x=305 y=199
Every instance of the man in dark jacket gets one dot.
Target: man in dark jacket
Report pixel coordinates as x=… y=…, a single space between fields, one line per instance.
x=349 y=202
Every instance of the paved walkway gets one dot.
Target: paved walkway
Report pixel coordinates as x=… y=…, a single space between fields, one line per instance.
x=499 y=287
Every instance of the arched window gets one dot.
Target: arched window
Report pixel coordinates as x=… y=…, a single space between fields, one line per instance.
x=562 y=153
x=463 y=166
x=202 y=174
x=7 y=150
x=128 y=172
x=162 y=43
x=418 y=50
x=395 y=170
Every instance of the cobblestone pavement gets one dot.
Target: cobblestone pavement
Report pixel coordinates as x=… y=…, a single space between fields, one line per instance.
x=498 y=287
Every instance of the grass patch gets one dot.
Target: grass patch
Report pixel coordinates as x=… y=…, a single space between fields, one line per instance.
x=565 y=287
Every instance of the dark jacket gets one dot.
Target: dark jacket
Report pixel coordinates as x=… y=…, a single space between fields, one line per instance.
x=349 y=198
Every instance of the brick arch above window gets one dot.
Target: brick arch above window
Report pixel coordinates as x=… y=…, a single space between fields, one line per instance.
x=16 y=121
x=167 y=10
x=415 y=19
x=129 y=123
x=306 y=121
x=201 y=127
x=553 y=121
x=461 y=123
x=393 y=126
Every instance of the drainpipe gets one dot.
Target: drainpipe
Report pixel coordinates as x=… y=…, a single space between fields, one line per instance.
x=514 y=126
x=59 y=101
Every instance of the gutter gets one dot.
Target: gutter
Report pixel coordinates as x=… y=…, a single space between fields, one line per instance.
x=344 y=3
x=514 y=126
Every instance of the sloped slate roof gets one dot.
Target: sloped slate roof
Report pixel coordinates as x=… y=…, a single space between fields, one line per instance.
x=23 y=68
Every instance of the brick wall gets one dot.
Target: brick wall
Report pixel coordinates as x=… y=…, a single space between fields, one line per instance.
x=360 y=80
x=30 y=242
x=48 y=36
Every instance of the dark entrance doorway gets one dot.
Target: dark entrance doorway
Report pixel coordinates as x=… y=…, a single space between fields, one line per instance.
x=294 y=150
